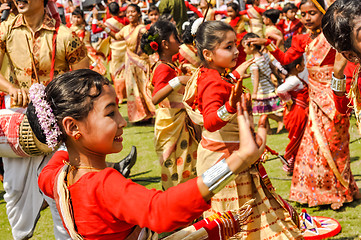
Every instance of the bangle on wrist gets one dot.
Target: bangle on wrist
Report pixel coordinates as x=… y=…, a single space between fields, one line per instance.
x=271 y=47
x=269 y=41
x=175 y=83
x=107 y=30
x=223 y=114
x=95 y=21
x=218 y=176
x=338 y=85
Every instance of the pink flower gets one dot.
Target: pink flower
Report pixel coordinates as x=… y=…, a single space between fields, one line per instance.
x=45 y=115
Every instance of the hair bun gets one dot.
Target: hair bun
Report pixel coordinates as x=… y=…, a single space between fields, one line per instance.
x=196 y=25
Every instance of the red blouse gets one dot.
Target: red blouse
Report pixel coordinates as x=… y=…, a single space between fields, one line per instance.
x=342 y=103
x=107 y=206
x=291 y=28
x=213 y=93
x=298 y=47
x=161 y=76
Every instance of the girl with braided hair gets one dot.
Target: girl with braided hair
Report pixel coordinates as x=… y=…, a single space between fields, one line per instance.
x=174 y=142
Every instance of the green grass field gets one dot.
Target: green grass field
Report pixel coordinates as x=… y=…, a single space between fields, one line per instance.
x=147 y=171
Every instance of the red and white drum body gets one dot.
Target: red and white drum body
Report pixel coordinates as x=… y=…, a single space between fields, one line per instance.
x=10 y=120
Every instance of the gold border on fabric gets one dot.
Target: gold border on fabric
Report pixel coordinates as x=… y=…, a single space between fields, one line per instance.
x=354 y=94
x=324 y=148
x=319 y=7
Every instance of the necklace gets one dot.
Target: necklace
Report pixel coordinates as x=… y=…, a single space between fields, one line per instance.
x=227 y=76
x=72 y=168
x=315 y=33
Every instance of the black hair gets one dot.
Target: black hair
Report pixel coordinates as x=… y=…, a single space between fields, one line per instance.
x=137 y=8
x=250 y=1
x=252 y=35
x=45 y=3
x=209 y=35
x=187 y=36
x=78 y=12
x=70 y=94
x=113 y=8
x=321 y=2
x=234 y=6
x=292 y=65
x=153 y=8
x=339 y=22
x=159 y=31
x=272 y=14
x=289 y=6
x=166 y=17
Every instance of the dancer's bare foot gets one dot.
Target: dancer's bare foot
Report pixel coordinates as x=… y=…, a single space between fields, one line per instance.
x=336 y=206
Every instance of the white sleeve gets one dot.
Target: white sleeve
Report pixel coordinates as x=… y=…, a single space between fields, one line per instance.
x=291 y=83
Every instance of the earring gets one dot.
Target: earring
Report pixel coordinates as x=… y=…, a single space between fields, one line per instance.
x=77 y=136
x=209 y=59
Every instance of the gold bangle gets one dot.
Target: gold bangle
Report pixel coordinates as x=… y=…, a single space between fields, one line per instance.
x=271 y=47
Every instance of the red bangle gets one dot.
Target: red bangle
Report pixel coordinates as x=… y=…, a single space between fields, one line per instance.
x=269 y=41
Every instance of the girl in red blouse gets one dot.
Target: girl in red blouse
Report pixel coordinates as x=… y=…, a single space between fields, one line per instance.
x=78 y=26
x=237 y=20
x=322 y=173
x=174 y=143
x=96 y=202
x=290 y=25
x=210 y=99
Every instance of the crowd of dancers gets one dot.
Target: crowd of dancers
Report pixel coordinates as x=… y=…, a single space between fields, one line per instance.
x=184 y=74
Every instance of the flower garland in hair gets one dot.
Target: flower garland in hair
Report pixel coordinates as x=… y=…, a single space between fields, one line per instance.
x=152 y=44
x=45 y=115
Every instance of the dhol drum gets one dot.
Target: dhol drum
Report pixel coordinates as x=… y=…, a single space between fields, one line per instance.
x=16 y=136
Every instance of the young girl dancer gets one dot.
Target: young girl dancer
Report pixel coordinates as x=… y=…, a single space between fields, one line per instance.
x=322 y=173
x=270 y=18
x=265 y=99
x=294 y=93
x=174 y=144
x=210 y=98
x=255 y=18
x=140 y=106
x=96 y=202
x=114 y=23
x=153 y=16
x=235 y=18
x=78 y=26
x=290 y=25
x=237 y=22
x=188 y=57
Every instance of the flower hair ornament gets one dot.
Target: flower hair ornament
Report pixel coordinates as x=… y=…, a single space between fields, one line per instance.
x=152 y=44
x=45 y=115
x=196 y=25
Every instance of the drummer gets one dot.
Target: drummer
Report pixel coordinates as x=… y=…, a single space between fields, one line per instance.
x=32 y=28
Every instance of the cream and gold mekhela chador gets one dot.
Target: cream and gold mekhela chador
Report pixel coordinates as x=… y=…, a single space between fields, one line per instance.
x=270 y=218
x=117 y=63
x=256 y=22
x=140 y=106
x=174 y=140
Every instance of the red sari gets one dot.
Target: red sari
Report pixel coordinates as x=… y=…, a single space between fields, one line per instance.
x=295 y=121
x=322 y=173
